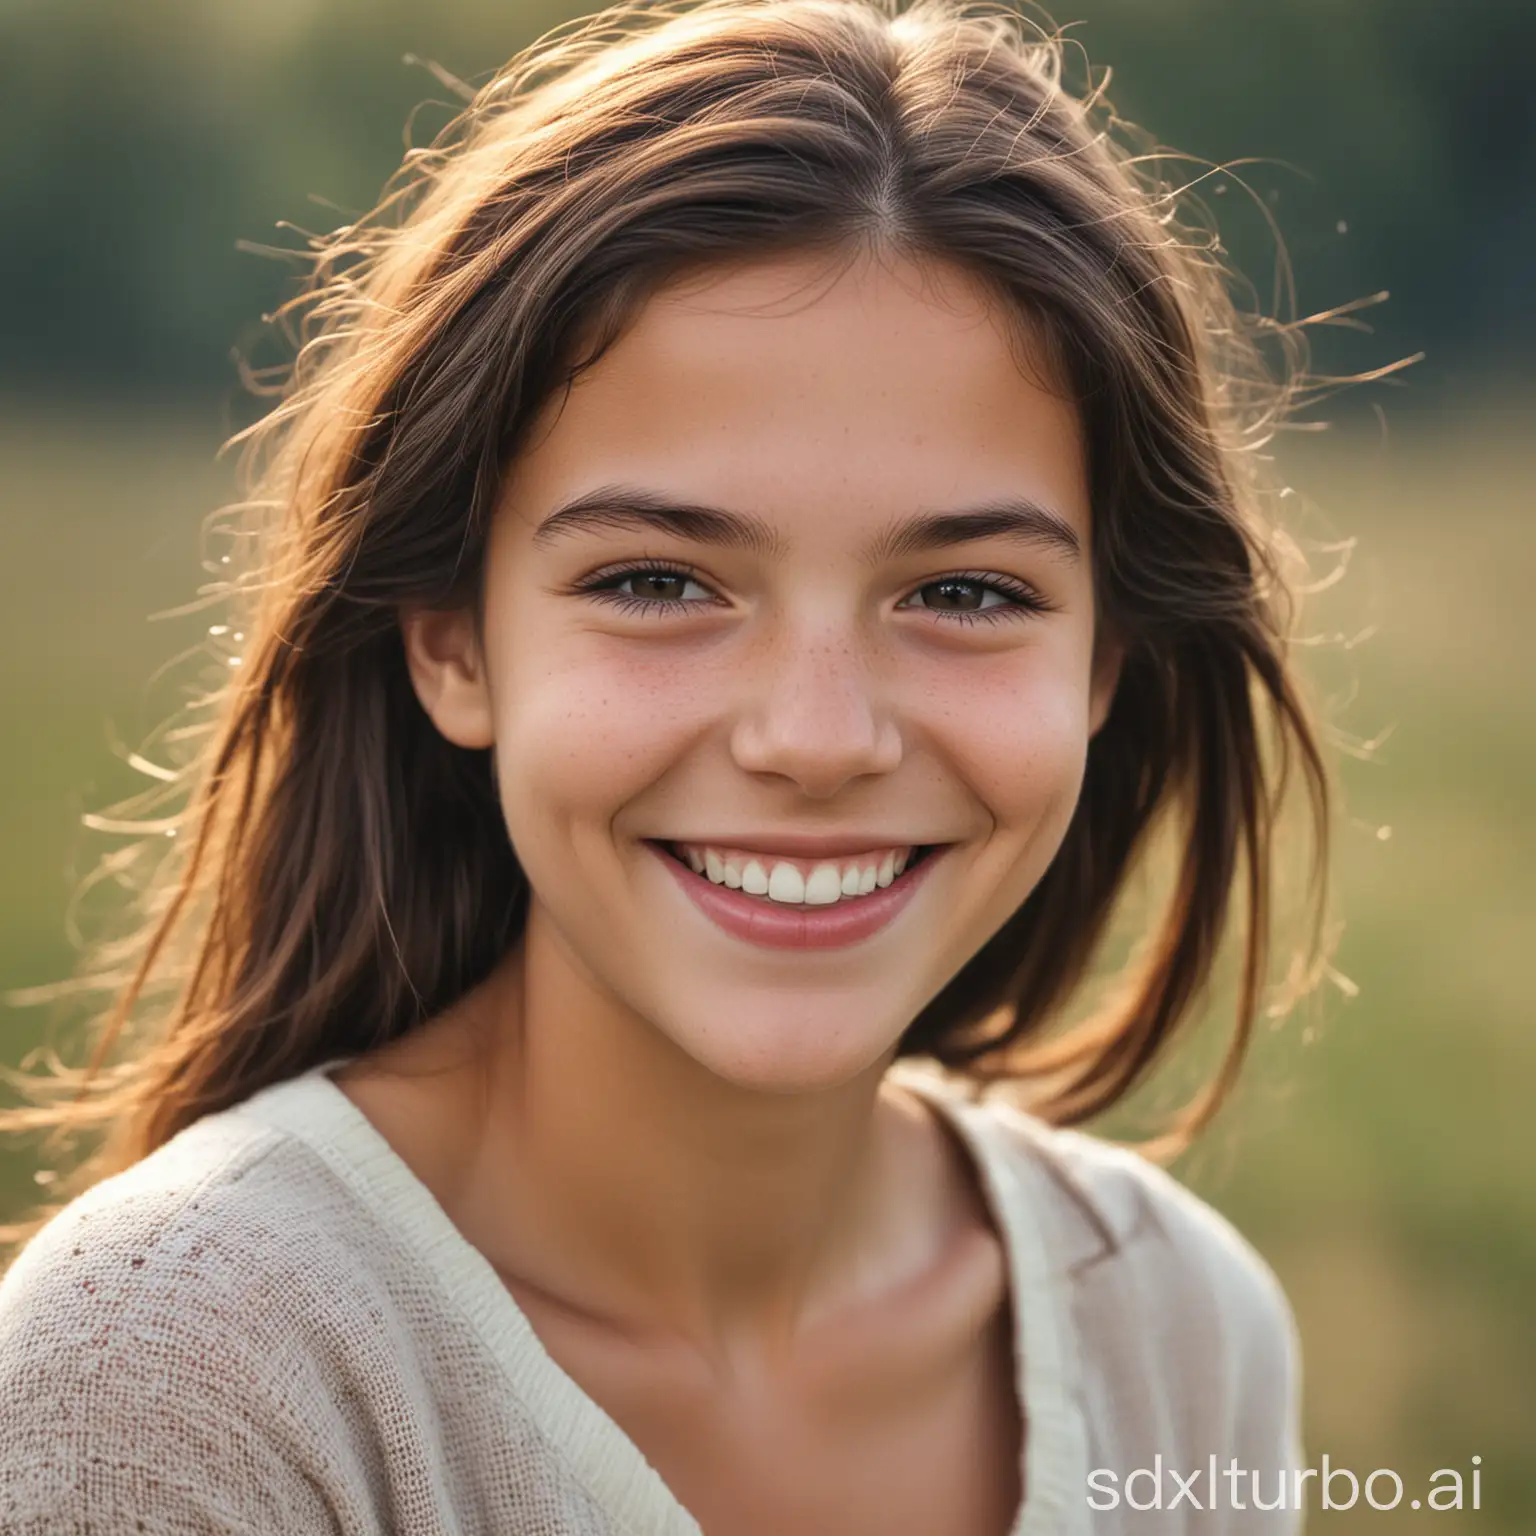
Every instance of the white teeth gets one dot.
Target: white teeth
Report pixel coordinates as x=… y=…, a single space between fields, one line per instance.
x=827 y=883
x=786 y=884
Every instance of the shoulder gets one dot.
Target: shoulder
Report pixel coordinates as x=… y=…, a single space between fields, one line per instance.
x=163 y=1309
x=1144 y=1218
x=1107 y=1205
x=229 y=1210
x=1181 y=1326
x=1162 y=1279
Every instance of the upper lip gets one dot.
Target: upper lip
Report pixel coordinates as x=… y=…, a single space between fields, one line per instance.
x=802 y=845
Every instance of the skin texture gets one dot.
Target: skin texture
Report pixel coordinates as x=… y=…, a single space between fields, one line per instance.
x=775 y=1272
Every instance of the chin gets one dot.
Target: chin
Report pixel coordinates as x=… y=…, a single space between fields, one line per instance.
x=809 y=1057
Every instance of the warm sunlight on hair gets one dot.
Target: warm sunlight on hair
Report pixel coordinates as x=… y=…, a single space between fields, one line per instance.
x=765 y=537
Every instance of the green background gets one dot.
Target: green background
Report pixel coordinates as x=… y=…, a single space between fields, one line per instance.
x=1381 y=1152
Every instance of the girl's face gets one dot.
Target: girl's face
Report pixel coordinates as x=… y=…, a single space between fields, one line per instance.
x=815 y=658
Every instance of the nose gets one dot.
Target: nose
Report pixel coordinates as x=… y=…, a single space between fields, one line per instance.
x=813 y=712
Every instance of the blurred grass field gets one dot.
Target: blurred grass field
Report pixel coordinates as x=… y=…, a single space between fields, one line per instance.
x=1385 y=1163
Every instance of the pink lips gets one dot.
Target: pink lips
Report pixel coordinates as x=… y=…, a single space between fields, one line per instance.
x=759 y=921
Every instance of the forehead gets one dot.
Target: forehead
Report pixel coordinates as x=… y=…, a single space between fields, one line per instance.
x=800 y=388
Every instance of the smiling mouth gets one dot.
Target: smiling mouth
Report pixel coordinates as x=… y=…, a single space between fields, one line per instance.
x=919 y=854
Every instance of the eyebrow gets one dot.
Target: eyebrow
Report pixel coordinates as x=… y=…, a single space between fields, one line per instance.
x=623 y=508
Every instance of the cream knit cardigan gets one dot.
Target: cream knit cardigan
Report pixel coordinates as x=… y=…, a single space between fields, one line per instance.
x=270 y=1327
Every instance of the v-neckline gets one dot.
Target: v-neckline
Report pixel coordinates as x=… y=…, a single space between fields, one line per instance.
x=608 y=1463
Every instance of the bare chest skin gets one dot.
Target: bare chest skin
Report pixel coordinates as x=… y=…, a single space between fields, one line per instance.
x=896 y=1418
x=904 y=1423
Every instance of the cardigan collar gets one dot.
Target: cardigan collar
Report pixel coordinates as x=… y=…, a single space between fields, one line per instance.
x=1091 y=1223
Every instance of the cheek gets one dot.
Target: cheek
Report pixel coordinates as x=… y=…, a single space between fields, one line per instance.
x=1017 y=733
x=582 y=727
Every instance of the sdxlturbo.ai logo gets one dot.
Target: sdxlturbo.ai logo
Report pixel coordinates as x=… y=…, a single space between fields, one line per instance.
x=1245 y=1488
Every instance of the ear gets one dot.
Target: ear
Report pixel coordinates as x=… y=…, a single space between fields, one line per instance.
x=1108 y=659
x=447 y=668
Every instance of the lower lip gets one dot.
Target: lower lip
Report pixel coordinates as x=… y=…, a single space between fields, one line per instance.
x=775 y=926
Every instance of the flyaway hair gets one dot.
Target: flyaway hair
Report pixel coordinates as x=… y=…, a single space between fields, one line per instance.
x=340 y=872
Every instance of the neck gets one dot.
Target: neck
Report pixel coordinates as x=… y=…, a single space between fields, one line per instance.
x=651 y=1193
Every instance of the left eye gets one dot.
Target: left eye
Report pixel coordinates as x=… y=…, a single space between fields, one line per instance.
x=963 y=595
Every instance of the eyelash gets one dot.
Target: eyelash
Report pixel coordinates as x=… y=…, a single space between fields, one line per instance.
x=603 y=585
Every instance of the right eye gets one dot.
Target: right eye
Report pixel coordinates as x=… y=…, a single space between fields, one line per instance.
x=658 y=588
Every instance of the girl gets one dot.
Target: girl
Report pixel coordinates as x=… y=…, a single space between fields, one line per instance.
x=758 y=536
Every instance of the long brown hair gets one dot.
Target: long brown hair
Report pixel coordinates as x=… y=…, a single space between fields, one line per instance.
x=340 y=872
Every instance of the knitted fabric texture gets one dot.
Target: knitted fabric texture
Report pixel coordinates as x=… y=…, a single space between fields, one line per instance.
x=269 y=1325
